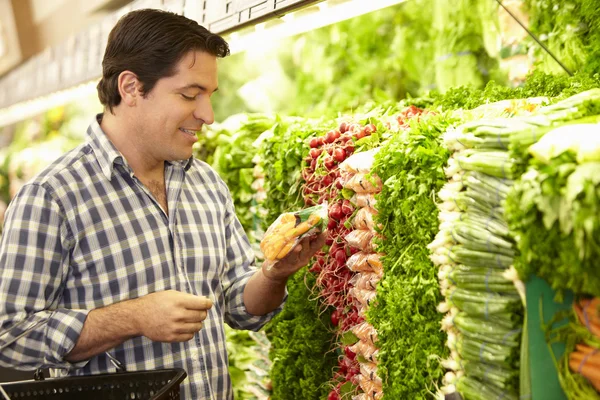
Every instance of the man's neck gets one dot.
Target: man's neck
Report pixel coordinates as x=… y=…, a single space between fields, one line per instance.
x=128 y=141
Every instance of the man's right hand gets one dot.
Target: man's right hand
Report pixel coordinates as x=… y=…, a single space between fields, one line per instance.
x=171 y=316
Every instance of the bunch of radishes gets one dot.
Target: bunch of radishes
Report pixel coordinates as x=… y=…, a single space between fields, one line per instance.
x=323 y=182
x=401 y=121
x=406 y=115
x=321 y=173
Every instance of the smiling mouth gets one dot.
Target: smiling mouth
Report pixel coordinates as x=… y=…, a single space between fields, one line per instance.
x=188 y=131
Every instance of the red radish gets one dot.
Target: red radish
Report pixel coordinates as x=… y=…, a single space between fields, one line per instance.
x=327 y=180
x=360 y=134
x=333 y=249
x=345 y=138
x=315 y=269
x=346 y=363
x=349 y=353
x=335 y=317
x=329 y=162
x=370 y=128
x=338 y=184
x=331 y=225
x=335 y=211
x=340 y=257
x=314 y=143
x=333 y=395
x=347 y=208
x=332 y=135
x=343 y=127
x=315 y=153
x=354 y=128
x=339 y=155
x=329 y=137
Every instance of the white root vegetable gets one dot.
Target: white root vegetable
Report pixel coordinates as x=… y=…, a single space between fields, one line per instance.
x=449 y=216
x=443 y=307
x=512 y=275
x=448 y=324
x=451 y=364
x=449 y=378
x=453 y=167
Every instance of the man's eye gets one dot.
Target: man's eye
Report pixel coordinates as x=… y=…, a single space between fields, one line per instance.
x=187 y=97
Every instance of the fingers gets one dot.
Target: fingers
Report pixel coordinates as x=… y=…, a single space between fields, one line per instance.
x=188 y=328
x=192 y=316
x=192 y=302
x=311 y=245
x=305 y=251
x=179 y=337
x=298 y=248
x=317 y=243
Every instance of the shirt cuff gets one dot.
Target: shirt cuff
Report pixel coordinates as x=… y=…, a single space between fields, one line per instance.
x=242 y=319
x=63 y=330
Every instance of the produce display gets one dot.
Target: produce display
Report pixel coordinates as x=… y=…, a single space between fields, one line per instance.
x=249 y=364
x=553 y=209
x=570 y=29
x=333 y=175
x=474 y=250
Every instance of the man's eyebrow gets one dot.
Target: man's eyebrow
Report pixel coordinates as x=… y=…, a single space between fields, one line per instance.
x=196 y=86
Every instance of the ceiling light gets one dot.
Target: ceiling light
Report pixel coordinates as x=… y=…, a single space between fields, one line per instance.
x=326 y=13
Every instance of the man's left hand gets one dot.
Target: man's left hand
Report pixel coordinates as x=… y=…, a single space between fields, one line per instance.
x=296 y=259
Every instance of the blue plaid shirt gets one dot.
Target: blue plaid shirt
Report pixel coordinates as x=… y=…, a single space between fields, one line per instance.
x=85 y=233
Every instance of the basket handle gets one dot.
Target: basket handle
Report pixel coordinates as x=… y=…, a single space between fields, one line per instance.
x=118 y=365
x=38 y=375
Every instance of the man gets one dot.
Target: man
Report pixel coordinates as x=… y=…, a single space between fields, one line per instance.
x=127 y=246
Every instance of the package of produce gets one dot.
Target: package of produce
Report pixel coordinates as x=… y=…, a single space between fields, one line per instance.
x=289 y=229
x=363 y=200
x=365 y=262
x=363 y=183
x=365 y=332
x=586 y=362
x=361 y=239
x=366 y=349
x=364 y=297
x=369 y=396
x=359 y=163
x=365 y=280
x=372 y=390
x=364 y=218
x=369 y=371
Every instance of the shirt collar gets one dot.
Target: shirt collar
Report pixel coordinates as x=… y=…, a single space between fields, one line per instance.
x=106 y=152
x=108 y=155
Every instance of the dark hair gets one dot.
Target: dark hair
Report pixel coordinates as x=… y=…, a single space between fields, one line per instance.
x=150 y=43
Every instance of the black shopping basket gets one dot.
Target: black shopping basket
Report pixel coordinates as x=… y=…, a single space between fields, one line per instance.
x=142 y=385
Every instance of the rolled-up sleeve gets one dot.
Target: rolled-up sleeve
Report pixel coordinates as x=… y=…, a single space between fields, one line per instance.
x=34 y=260
x=239 y=269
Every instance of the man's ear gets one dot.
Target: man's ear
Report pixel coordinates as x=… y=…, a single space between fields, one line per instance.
x=129 y=88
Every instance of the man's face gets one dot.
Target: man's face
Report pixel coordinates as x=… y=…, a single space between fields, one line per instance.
x=177 y=107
